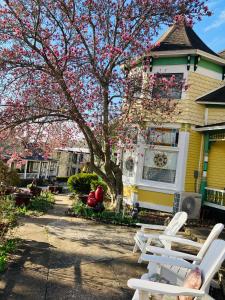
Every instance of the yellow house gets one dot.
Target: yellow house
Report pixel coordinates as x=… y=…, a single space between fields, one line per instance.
x=188 y=155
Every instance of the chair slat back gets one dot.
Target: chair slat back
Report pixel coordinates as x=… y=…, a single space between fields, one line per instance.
x=212 y=262
x=215 y=232
x=176 y=223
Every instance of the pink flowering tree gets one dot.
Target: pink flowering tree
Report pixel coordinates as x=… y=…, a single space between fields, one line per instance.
x=66 y=71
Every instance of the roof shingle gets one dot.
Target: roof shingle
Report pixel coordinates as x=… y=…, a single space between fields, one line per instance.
x=181 y=37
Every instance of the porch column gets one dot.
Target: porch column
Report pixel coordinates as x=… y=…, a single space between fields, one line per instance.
x=39 y=170
x=205 y=166
x=25 y=170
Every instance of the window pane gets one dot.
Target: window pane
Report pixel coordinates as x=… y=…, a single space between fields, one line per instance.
x=160 y=166
x=163 y=137
x=174 y=92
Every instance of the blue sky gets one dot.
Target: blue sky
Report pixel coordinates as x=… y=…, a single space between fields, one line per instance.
x=212 y=29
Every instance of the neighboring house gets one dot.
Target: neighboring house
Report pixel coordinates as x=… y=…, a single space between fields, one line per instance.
x=38 y=167
x=70 y=160
x=187 y=154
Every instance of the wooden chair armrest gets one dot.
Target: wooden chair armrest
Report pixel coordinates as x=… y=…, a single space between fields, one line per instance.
x=151 y=226
x=173 y=253
x=162 y=288
x=180 y=240
x=163 y=260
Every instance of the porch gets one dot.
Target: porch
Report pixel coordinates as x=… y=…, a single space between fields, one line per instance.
x=213 y=179
x=38 y=169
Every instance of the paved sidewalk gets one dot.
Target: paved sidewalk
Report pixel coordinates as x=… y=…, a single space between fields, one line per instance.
x=68 y=258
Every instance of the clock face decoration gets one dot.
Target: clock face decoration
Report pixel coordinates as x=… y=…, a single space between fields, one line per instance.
x=129 y=164
x=160 y=160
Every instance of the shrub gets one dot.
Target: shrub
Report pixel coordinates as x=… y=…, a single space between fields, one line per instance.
x=27 y=182
x=81 y=183
x=5 y=249
x=62 y=179
x=96 y=183
x=8 y=176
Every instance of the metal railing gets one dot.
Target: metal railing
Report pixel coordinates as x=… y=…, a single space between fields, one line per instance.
x=215 y=196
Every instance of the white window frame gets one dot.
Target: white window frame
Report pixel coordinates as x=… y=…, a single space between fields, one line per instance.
x=181 y=149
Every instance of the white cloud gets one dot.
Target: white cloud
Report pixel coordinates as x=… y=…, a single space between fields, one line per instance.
x=220 y=21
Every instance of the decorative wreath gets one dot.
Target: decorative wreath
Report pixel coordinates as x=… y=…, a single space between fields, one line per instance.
x=160 y=160
x=129 y=164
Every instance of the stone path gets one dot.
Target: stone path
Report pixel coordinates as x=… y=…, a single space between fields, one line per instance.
x=68 y=258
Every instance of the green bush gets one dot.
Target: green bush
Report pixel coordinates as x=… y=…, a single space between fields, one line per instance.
x=8 y=177
x=7 y=210
x=96 y=183
x=8 y=247
x=62 y=179
x=81 y=183
x=27 y=182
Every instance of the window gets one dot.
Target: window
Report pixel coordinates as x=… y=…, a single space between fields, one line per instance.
x=160 y=166
x=32 y=167
x=162 y=137
x=81 y=158
x=173 y=91
x=58 y=155
x=74 y=158
x=160 y=160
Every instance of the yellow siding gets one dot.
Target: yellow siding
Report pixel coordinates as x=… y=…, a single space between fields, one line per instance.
x=151 y=197
x=216 y=167
x=194 y=155
x=155 y=198
x=216 y=115
x=191 y=112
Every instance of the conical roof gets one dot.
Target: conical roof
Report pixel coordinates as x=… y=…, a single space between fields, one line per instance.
x=181 y=37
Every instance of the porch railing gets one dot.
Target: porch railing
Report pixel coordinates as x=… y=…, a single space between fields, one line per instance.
x=28 y=175
x=215 y=196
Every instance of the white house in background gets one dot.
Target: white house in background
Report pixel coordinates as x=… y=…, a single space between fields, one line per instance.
x=38 y=167
x=70 y=160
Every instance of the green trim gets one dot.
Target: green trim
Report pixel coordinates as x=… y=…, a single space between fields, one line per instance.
x=163 y=61
x=210 y=66
x=182 y=60
x=205 y=166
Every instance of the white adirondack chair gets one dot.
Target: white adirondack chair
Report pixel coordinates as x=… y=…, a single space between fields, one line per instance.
x=179 y=272
x=143 y=239
x=209 y=265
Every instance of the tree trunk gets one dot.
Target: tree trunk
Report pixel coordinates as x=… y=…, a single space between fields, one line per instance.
x=115 y=182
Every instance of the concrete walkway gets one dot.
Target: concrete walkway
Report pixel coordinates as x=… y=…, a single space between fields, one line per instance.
x=68 y=258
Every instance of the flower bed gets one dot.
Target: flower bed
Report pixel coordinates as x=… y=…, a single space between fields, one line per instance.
x=81 y=210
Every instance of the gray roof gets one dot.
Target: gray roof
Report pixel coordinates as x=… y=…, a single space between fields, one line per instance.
x=181 y=37
x=216 y=96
